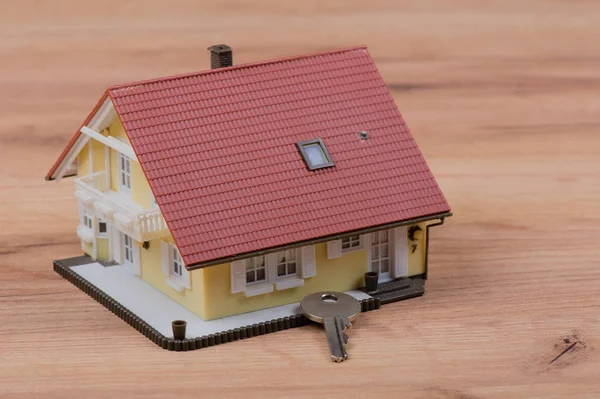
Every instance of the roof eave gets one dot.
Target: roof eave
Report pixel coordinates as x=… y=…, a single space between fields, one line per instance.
x=51 y=175
x=228 y=259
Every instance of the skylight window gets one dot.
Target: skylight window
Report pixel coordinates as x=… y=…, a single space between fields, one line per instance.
x=315 y=154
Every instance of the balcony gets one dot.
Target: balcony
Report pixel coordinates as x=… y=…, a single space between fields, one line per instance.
x=126 y=215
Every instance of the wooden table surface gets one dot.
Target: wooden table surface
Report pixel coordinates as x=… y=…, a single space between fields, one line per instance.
x=502 y=97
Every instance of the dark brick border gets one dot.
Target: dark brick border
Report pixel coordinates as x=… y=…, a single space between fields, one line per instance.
x=63 y=267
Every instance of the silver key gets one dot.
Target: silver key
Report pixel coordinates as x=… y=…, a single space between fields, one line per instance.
x=335 y=310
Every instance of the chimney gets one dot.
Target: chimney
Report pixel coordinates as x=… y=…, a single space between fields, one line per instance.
x=221 y=56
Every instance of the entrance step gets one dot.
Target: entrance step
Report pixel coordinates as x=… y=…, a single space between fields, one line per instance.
x=394 y=285
x=398 y=290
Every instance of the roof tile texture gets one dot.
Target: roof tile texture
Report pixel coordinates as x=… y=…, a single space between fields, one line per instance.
x=219 y=151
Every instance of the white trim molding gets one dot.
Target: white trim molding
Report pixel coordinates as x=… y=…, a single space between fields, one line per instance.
x=258 y=289
x=101 y=119
x=289 y=283
x=399 y=252
x=104 y=116
x=111 y=142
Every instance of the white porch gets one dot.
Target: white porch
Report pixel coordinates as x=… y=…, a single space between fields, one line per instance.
x=159 y=310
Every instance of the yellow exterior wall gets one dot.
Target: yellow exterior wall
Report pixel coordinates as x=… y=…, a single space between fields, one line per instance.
x=98 y=156
x=341 y=274
x=117 y=130
x=416 y=260
x=114 y=170
x=140 y=190
x=87 y=248
x=83 y=161
x=151 y=261
x=102 y=248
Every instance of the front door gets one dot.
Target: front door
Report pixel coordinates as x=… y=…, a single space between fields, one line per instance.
x=127 y=252
x=380 y=261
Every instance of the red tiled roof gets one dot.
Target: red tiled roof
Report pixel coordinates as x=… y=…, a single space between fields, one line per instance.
x=219 y=151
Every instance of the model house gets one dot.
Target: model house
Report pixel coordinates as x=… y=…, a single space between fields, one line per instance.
x=246 y=187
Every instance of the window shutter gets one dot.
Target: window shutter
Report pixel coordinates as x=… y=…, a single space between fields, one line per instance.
x=400 y=252
x=271 y=263
x=309 y=261
x=136 y=257
x=334 y=249
x=238 y=276
x=117 y=245
x=164 y=255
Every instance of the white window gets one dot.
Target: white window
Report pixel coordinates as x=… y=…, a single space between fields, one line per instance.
x=128 y=249
x=176 y=263
x=85 y=230
x=102 y=228
x=177 y=276
x=256 y=270
x=380 y=252
x=286 y=264
x=129 y=253
x=86 y=219
x=351 y=243
x=275 y=271
x=124 y=173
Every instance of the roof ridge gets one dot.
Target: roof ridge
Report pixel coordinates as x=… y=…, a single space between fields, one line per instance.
x=236 y=67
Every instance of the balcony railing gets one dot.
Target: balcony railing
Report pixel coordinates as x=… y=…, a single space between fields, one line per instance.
x=151 y=222
x=96 y=181
x=128 y=216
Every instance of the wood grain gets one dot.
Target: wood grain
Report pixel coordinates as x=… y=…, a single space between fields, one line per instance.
x=502 y=97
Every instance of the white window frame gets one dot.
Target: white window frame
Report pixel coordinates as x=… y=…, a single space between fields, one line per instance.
x=85 y=230
x=286 y=263
x=173 y=267
x=176 y=266
x=100 y=234
x=355 y=243
x=124 y=177
x=128 y=244
x=326 y=160
x=253 y=265
x=87 y=219
x=132 y=264
x=385 y=276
